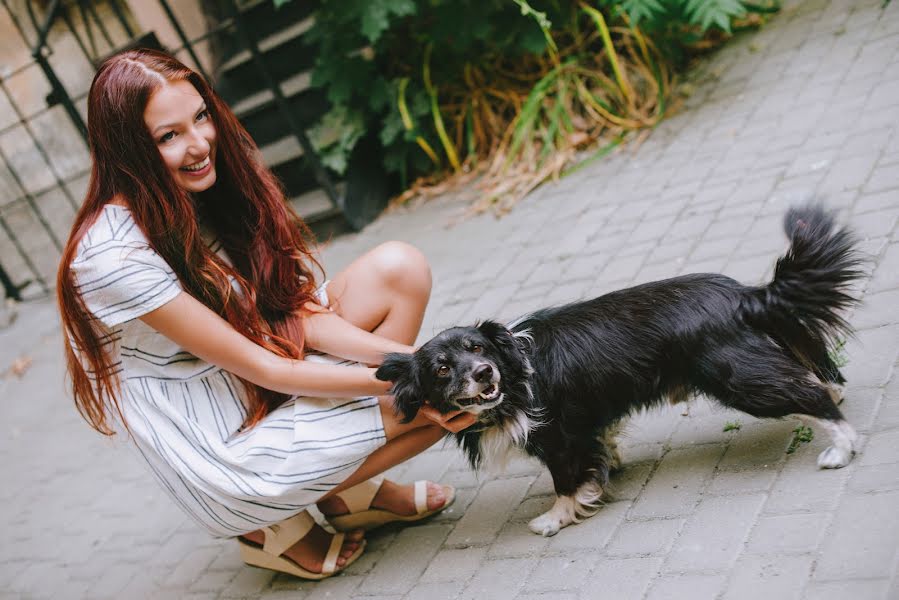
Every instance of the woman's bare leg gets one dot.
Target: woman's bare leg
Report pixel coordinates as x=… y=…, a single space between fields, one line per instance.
x=384 y=291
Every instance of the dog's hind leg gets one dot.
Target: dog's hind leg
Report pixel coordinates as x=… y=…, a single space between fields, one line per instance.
x=760 y=380
x=843 y=437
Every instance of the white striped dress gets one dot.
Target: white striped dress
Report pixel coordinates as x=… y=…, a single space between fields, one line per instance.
x=185 y=414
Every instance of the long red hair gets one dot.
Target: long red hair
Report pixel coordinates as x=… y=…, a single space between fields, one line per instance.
x=245 y=208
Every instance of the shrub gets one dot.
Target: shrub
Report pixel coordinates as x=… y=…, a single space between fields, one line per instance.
x=509 y=90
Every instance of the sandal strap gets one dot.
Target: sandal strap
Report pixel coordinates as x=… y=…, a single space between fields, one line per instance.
x=281 y=536
x=359 y=497
x=329 y=566
x=421 y=496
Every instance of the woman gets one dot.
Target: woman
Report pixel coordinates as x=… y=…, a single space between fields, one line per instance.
x=195 y=324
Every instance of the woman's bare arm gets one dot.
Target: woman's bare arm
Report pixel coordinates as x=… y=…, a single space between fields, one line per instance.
x=200 y=331
x=330 y=333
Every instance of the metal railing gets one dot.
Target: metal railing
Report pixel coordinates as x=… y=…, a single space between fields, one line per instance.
x=96 y=40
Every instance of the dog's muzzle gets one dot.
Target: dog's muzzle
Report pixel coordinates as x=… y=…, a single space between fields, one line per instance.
x=482 y=391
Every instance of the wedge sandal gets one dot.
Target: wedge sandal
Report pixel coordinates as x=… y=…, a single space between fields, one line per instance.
x=361 y=516
x=281 y=536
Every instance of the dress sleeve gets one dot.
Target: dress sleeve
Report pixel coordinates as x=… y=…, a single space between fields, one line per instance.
x=123 y=279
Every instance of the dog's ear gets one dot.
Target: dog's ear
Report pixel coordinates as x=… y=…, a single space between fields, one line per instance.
x=407 y=393
x=512 y=356
x=498 y=334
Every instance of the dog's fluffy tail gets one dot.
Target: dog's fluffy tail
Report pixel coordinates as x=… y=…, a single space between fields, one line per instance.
x=803 y=305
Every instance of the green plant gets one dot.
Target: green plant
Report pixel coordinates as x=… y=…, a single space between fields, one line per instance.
x=801 y=435
x=838 y=353
x=511 y=91
x=732 y=426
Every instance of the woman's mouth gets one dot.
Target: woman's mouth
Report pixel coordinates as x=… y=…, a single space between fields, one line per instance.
x=198 y=169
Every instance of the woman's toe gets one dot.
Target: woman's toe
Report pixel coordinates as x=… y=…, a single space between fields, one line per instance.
x=436 y=496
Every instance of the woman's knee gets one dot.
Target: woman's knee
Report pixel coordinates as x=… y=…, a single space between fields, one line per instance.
x=403 y=267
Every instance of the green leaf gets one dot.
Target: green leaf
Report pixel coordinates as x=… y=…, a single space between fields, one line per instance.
x=707 y=13
x=646 y=12
x=377 y=13
x=335 y=136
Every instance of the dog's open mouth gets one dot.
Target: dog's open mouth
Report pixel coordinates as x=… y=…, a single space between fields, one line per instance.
x=488 y=394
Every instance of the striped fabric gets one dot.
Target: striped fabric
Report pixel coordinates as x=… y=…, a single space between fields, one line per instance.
x=185 y=414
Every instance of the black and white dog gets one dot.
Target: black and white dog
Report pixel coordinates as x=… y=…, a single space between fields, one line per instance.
x=558 y=382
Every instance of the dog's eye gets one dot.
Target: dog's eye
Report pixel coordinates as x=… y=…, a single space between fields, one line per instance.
x=443 y=371
x=477 y=349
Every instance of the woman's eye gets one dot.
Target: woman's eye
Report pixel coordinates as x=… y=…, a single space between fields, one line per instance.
x=443 y=371
x=204 y=114
x=477 y=349
x=169 y=136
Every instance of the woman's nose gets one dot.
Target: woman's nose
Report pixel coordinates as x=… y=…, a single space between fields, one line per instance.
x=197 y=143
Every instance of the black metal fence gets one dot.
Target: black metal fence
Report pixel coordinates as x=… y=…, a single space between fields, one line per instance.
x=44 y=159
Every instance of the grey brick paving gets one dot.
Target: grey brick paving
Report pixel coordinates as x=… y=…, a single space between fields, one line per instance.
x=805 y=108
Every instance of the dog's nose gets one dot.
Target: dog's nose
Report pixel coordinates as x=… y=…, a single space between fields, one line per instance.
x=483 y=374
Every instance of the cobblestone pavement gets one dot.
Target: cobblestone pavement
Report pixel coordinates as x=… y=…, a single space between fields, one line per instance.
x=807 y=107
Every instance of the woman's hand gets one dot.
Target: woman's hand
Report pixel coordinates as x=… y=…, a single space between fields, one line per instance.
x=454 y=421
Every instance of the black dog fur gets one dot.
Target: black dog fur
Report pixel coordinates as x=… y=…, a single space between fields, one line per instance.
x=557 y=382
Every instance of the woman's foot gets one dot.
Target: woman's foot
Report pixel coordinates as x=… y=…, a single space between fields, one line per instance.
x=392 y=497
x=310 y=551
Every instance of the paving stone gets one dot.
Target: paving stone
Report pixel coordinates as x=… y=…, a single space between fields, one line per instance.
x=881 y=448
x=454 y=565
x=627 y=483
x=677 y=484
x=862 y=541
x=695 y=587
x=877 y=478
x=549 y=596
x=560 y=573
x=788 y=534
x=516 y=540
x=727 y=483
x=406 y=559
x=434 y=591
x=342 y=586
x=871 y=356
x=645 y=538
x=886 y=273
x=500 y=579
x=769 y=577
x=888 y=411
x=623 y=577
x=869 y=589
x=714 y=534
x=758 y=444
x=490 y=509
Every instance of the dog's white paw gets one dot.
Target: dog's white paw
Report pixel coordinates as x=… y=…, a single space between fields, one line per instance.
x=834 y=458
x=546 y=524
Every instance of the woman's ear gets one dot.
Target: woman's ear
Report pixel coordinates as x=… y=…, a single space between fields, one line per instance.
x=407 y=393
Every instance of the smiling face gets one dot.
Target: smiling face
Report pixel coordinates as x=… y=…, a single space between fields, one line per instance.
x=178 y=121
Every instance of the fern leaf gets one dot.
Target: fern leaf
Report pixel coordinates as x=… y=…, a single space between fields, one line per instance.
x=708 y=13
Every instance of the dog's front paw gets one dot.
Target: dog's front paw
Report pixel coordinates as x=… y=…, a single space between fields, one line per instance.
x=546 y=524
x=834 y=458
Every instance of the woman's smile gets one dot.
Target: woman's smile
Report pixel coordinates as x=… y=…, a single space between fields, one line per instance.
x=179 y=122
